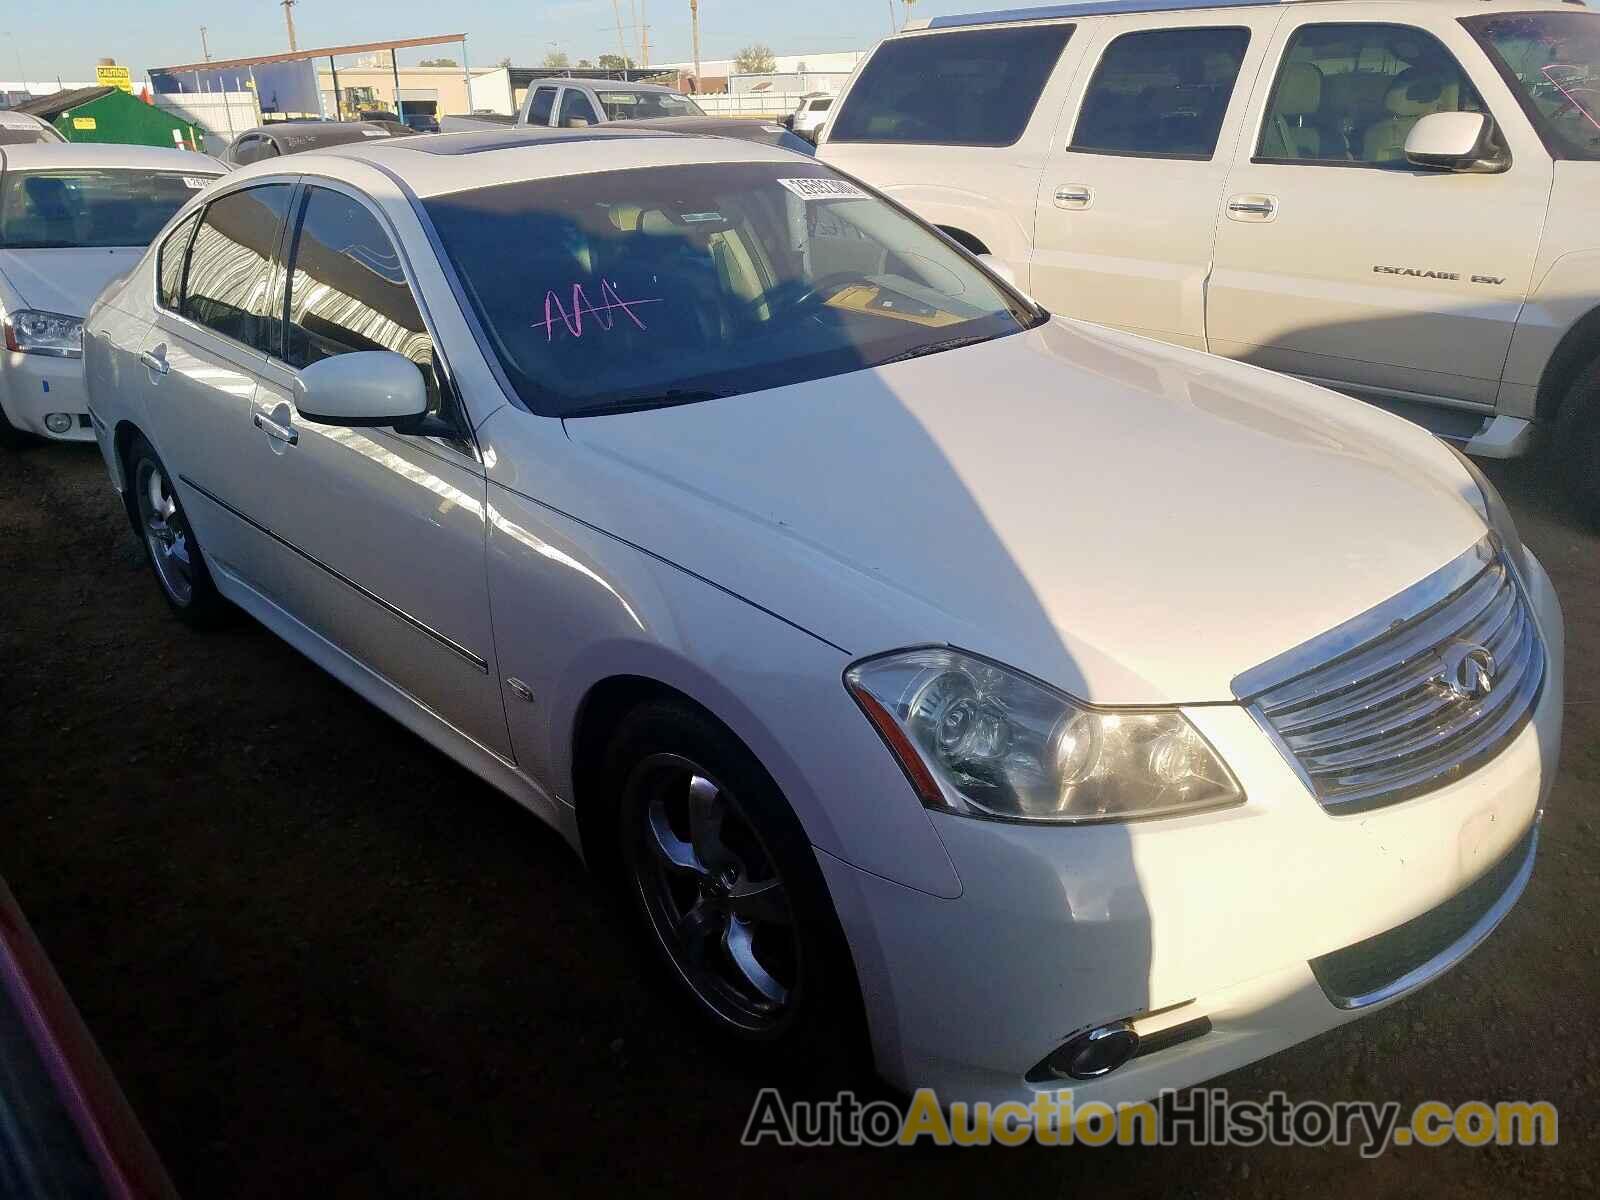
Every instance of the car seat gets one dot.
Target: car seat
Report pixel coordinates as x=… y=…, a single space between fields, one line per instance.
x=1415 y=93
x=1291 y=134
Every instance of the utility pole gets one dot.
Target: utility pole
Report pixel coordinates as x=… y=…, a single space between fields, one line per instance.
x=204 y=48
x=891 y=16
x=644 y=36
x=622 y=46
x=694 y=25
x=288 y=21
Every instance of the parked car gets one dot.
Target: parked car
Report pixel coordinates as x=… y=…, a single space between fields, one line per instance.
x=23 y=129
x=1396 y=199
x=576 y=103
x=764 y=132
x=810 y=115
x=72 y=218
x=296 y=137
x=420 y=122
x=65 y=1126
x=1049 y=692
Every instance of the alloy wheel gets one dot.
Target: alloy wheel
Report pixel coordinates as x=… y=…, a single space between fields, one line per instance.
x=165 y=532
x=713 y=894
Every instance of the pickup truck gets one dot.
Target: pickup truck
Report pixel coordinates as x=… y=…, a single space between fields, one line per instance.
x=571 y=103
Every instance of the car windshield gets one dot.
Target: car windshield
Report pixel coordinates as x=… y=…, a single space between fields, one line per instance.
x=1554 y=60
x=636 y=106
x=89 y=206
x=665 y=285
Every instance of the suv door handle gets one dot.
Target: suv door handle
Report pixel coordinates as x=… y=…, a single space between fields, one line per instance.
x=1246 y=208
x=155 y=362
x=1073 y=195
x=283 y=433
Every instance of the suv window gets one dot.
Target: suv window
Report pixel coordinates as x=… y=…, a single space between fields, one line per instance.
x=822 y=105
x=169 y=262
x=230 y=264
x=253 y=148
x=1351 y=93
x=347 y=291
x=575 y=106
x=539 y=111
x=1161 y=93
x=975 y=88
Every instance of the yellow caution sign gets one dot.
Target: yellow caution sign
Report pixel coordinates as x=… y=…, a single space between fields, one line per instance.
x=117 y=77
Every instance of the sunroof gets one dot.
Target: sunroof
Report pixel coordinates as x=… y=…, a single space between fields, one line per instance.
x=506 y=139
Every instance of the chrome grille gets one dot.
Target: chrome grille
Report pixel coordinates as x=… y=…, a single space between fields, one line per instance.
x=1410 y=696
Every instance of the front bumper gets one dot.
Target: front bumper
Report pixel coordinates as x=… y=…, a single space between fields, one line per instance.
x=1218 y=915
x=35 y=385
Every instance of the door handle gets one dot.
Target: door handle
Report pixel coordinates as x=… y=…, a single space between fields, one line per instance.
x=155 y=362
x=1074 y=195
x=283 y=433
x=1253 y=206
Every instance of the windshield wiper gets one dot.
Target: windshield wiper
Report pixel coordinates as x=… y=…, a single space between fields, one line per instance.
x=666 y=399
x=954 y=343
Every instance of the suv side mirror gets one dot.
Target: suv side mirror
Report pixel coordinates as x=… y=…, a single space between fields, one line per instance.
x=1465 y=142
x=365 y=387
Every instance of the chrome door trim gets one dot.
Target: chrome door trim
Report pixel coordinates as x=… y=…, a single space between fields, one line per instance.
x=422 y=627
x=273 y=429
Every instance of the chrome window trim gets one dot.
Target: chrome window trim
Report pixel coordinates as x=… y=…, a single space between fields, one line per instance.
x=469 y=438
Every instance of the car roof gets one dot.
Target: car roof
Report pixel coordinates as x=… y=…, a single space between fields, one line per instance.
x=616 y=85
x=42 y=155
x=1111 y=8
x=441 y=163
x=301 y=135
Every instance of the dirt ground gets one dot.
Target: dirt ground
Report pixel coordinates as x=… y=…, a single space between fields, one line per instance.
x=324 y=960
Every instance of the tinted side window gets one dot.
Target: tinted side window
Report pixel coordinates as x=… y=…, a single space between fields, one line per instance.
x=347 y=290
x=821 y=105
x=253 y=149
x=169 y=263
x=543 y=99
x=575 y=106
x=229 y=266
x=1351 y=93
x=975 y=88
x=1161 y=93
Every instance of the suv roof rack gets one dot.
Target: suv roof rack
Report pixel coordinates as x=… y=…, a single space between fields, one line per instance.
x=1087 y=8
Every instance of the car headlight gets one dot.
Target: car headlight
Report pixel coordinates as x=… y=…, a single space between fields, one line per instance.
x=31 y=332
x=1492 y=508
x=980 y=739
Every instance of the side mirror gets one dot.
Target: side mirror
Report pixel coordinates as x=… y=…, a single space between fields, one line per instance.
x=1456 y=141
x=1000 y=267
x=367 y=387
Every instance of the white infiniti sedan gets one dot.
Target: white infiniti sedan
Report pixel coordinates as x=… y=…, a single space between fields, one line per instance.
x=72 y=218
x=1073 y=710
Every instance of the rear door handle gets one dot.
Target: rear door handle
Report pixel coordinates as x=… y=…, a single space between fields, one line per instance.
x=1074 y=195
x=283 y=433
x=155 y=362
x=1252 y=208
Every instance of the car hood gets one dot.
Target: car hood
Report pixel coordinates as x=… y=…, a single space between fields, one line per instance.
x=1134 y=523
x=65 y=281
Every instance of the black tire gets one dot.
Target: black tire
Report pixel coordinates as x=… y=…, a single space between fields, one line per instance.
x=1578 y=441
x=169 y=541
x=654 y=754
x=12 y=438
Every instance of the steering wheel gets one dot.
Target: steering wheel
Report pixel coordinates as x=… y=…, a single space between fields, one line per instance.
x=823 y=289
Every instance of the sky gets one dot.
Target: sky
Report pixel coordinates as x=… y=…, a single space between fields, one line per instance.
x=67 y=36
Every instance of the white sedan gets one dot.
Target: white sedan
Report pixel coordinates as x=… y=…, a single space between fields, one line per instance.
x=72 y=218
x=1071 y=708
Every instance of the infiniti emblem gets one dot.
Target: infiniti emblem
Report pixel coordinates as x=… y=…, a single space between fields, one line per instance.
x=1468 y=672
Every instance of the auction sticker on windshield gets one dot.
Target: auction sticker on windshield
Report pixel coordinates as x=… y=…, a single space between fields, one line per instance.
x=824 y=189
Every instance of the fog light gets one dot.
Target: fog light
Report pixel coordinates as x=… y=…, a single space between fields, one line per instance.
x=1096 y=1053
x=58 y=422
